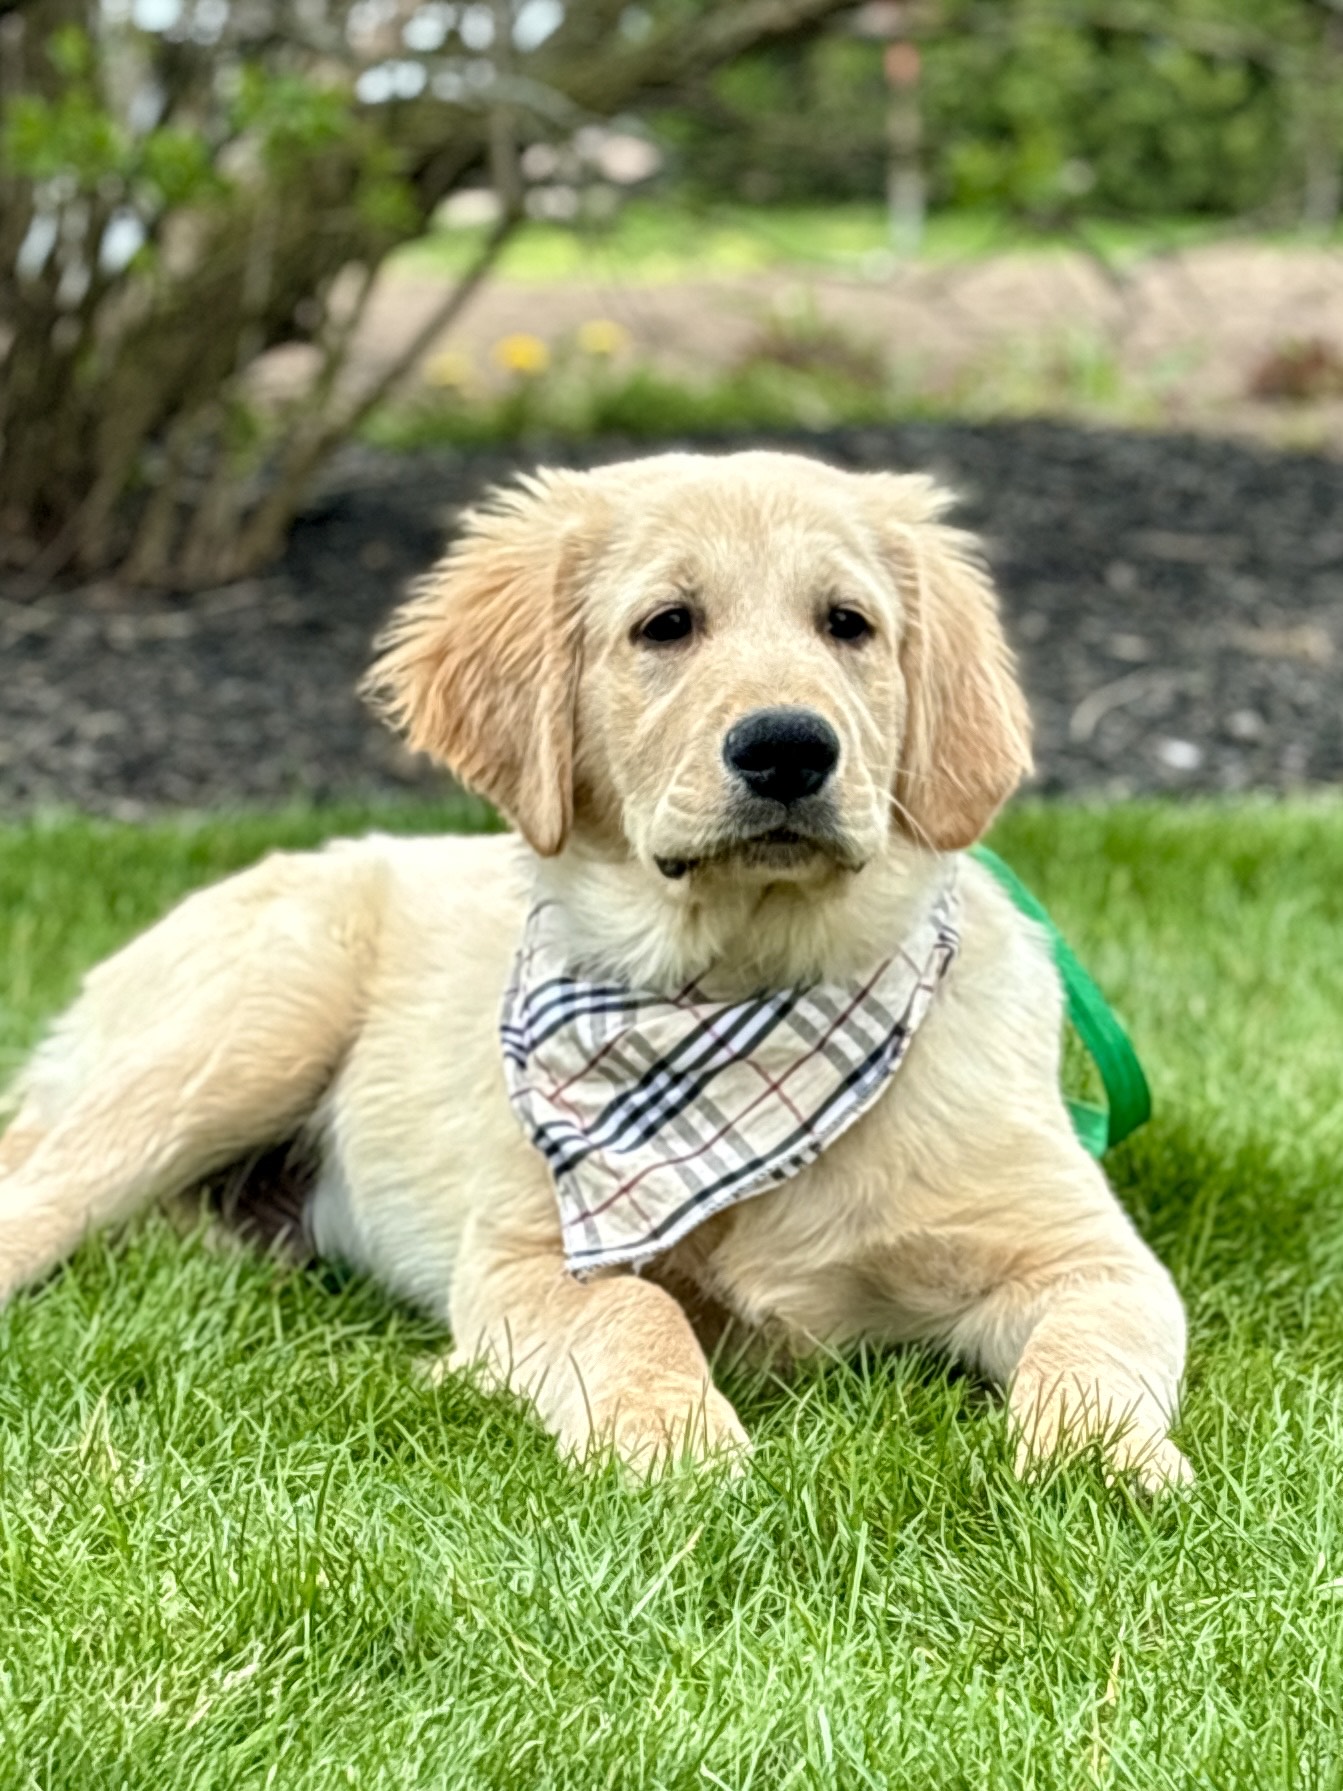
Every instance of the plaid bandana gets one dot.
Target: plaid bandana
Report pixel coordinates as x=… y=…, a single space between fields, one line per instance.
x=655 y=1112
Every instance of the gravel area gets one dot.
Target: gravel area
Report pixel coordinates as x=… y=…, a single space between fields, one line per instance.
x=1177 y=602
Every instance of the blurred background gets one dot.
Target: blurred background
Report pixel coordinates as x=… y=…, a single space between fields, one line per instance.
x=283 y=283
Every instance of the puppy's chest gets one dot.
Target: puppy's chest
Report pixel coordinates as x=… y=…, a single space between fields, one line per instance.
x=855 y=1245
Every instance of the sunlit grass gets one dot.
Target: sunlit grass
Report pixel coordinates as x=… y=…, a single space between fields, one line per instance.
x=240 y=1545
x=652 y=241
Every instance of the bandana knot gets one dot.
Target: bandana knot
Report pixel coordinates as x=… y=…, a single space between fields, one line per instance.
x=655 y=1112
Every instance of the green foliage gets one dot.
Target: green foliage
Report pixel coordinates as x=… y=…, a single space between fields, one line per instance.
x=70 y=51
x=293 y=116
x=174 y=166
x=793 y=124
x=1047 y=120
x=75 y=136
x=72 y=136
x=384 y=198
x=241 y=1544
x=1132 y=110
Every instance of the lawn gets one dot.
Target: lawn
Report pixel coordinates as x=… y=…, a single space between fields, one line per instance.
x=650 y=240
x=240 y=1545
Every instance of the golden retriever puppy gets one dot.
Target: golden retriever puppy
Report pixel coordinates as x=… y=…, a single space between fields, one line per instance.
x=745 y=713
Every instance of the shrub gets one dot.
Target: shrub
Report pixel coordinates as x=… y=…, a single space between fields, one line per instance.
x=177 y=202
x=1135 y=108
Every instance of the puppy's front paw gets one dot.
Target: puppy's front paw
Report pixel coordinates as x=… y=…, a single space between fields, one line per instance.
x=653 y=1426
x=1153 y=1463
x=1062 y=1416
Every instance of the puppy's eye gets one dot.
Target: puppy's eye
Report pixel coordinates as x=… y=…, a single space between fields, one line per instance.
x=846 y=624
x=668 y=625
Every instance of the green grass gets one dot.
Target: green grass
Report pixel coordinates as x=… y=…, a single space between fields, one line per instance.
x=642 y=404
x=241 y=1546
x=797 y=369
x=652 y=241
x=1074 y=375
x=804 y=374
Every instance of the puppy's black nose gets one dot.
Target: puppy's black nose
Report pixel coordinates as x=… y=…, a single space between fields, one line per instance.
x=782 y=755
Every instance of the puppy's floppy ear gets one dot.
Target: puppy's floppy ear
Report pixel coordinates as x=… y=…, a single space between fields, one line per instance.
x=967 y=731
x=480 y=667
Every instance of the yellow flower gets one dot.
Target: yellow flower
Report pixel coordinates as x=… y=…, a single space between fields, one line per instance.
x=449 y=368
x=522 y=354
x=600 y=336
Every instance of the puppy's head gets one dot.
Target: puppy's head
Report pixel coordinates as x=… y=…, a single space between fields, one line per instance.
x=753 y=665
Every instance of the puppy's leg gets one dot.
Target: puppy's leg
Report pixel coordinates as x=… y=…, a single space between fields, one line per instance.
x=17 y=1145
x=214 y=1032
x=608 y=1362
x=1091 y=1345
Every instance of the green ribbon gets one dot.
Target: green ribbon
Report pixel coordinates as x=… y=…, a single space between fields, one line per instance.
x=1127 y=1094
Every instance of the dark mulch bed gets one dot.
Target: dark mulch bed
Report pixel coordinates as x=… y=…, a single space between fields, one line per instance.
x=1178 y=605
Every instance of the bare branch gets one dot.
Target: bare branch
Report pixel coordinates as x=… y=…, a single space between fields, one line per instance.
x=307 y=452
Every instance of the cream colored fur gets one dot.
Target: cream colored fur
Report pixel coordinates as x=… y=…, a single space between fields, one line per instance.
x=352 y=994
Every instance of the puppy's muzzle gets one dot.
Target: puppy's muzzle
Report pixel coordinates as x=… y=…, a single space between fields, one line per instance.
x=780 y=761
x=782 y=755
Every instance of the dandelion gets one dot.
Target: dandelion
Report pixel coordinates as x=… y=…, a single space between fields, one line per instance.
x=523 y=354
x=600 y=336
x=450 y=368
